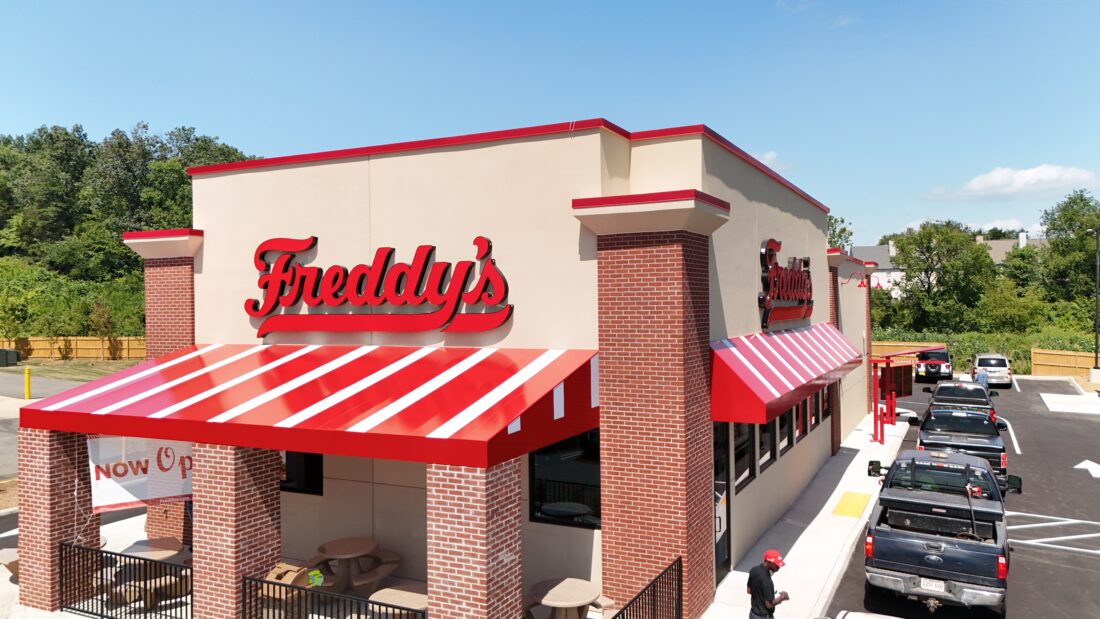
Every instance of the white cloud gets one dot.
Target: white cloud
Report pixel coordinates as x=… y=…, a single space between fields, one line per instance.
x=1003 y=224
x=841 y=22
x=771 y=159
x=1004 y=181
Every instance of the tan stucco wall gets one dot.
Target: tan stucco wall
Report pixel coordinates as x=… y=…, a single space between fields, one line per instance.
x=853 y=324
x=765 y=499
x=517 y=193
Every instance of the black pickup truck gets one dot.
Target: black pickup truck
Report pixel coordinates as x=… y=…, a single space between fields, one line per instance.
x=937 y=533
x=957 y=393
x=968 y=431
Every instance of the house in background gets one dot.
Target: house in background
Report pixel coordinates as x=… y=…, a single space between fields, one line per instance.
x=886 y=275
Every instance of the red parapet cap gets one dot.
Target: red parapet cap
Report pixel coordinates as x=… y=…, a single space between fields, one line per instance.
x=173 y=243
x=160 y=234
x=661 y=211
x=652 y=198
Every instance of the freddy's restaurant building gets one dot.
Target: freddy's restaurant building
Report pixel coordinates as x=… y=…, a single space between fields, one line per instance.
x=451 y=339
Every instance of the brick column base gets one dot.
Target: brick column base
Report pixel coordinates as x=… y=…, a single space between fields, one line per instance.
x=238 y=518
x=169 y=520
x=169 y=305
x=656 y=449
x=55 y=506
x=475 y=561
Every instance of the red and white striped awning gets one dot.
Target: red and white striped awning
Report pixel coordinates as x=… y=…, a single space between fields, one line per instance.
x=756 y=377
x=464 y=406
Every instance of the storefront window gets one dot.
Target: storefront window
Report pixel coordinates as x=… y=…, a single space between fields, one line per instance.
x=304 y=473
x=768 y=452
x=743 y=454
x=816 y=409
x=826 y=409
x=565 y=482
x=786 y=430
x=803 y=419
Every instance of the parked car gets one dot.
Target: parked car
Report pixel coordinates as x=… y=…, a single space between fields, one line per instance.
x=957 y=394
x=933 y=365
x=969 y=431
x=938 y=533
x=996 y=366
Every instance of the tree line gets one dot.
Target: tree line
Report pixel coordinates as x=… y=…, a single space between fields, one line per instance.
x=952 y=285
x=65 y=201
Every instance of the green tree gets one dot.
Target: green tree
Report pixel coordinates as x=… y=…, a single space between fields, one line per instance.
x=102 y=324
x=946 y=273
x=1021 y=265
x=840 y=235
x=1006 y=309
x=1068 y=260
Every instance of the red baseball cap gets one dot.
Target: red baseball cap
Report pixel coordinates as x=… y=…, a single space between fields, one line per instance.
x=773 y=556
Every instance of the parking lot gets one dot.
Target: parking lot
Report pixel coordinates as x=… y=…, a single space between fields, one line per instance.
x=1054 y=526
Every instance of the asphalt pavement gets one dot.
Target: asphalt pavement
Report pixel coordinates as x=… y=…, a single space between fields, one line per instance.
x=1054 y=526
x=11 y=398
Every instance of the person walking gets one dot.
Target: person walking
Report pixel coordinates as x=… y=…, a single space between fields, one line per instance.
x=762 y=590
x=982 y=378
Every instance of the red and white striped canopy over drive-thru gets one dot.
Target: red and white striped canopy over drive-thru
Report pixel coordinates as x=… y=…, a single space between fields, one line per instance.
x=757 y=377
x=464 y=406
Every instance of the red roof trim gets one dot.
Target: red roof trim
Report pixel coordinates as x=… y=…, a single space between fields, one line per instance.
x=160 y=234
x=510 y=134
x=458 y=140
x=836 y=251
x=650 y=198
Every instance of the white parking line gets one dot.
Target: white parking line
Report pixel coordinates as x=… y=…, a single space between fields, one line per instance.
x=1065 y=537
x=1050 y=542
x=1016 y=385
x=1055 y=547
x=1015 y=443
x=1057 y=520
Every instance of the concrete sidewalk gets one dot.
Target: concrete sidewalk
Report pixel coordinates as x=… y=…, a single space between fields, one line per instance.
x=816 y=537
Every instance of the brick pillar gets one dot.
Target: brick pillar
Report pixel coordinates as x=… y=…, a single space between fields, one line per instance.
x=55 y=505
x=169 y=326
x=475 y=559
x=655 y=430
x=236 y=492
x=169 y=305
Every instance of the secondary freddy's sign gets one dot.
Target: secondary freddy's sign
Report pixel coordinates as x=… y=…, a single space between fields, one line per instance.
x=788 y=292
x=127 y=472
x=421 y=295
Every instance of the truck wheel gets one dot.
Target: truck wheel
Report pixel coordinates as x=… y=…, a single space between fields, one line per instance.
x=872 y=595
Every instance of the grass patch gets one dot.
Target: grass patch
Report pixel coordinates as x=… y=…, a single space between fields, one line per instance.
x=72 y=369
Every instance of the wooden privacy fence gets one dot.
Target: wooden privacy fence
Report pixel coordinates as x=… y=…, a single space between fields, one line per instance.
x=77 y=347
x=1060 y=362
x=883 y=348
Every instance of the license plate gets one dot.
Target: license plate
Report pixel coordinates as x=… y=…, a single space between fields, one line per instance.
x=931 y=585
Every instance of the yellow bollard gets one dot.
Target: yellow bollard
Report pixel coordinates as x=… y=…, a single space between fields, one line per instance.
x=26 y=383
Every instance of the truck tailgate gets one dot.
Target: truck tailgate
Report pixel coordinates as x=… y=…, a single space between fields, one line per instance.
x=940 y=558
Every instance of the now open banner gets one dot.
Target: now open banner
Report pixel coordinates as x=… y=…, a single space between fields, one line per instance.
x=128 y=472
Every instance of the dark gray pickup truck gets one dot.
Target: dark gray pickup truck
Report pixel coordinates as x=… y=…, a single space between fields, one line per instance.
x=937 y=533
x=967 y=431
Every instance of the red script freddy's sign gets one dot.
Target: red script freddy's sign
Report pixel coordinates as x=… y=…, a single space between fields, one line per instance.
x=788 y=292
x=433 y=291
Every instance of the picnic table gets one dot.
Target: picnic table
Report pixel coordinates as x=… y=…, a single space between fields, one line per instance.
x=346 y=552
x=568 y=598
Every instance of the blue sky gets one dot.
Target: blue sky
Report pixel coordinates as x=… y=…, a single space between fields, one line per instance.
x=888 y=112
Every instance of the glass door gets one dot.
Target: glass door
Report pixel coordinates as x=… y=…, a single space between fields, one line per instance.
x=722 y=493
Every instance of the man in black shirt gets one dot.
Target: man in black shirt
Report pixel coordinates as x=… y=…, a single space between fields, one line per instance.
x=764 y=599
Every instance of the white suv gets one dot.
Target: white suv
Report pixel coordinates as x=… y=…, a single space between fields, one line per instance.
x=996 y=368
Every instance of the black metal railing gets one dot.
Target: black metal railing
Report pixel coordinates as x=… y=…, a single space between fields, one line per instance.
x=116 y=586
x=661 y=599
x=263 y=599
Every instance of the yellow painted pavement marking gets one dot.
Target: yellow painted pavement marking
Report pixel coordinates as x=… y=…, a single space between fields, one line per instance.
x=851 y=504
